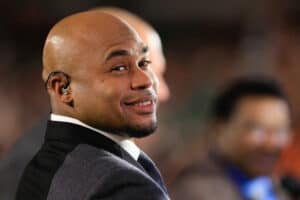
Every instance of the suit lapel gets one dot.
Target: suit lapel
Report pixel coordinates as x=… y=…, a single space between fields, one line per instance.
x=125 y=155
x=75 y=134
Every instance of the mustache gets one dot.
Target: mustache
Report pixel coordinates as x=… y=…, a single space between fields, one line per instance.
x=144 y=95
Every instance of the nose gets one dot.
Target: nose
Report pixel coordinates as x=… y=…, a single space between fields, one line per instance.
x=141 y=78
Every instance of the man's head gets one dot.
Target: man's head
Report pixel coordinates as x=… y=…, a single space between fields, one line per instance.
x=253 y=118
x=150 y=36
x=96 y=69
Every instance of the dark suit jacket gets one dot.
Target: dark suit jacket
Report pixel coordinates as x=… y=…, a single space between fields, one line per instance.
x=207 y=180
x=14 y=161
x=77 y=163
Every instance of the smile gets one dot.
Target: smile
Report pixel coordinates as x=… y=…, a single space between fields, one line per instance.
x=143 y=105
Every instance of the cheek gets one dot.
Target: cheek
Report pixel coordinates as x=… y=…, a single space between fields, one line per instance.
x=107 y=88
x=155 y=79
x=286 y=139
x=100 y=95
x=250 y=142
x=240 y=142
x=230 y=142
x=253 y=139
x=111 y=94
x=108 y=98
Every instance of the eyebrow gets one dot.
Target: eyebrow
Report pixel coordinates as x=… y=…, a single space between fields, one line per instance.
x=116 y=53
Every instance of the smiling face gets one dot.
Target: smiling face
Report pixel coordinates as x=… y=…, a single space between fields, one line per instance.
x=117 y=94
x=149 y=36
x=255 y=134
x=112 y=85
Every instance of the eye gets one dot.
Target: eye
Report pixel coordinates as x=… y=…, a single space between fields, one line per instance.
x=119 y=68
x=255 y=128
x=144 y=63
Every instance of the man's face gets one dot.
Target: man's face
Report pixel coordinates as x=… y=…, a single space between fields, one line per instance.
x=114 y=88
x=256 y=133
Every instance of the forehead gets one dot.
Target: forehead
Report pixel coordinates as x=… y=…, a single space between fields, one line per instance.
x=125 y=48
x=112 y=38
x=107 y=39
x=262 y=108
x=97 y=44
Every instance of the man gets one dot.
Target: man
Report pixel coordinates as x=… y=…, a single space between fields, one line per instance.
x=14 y=161
x=102 y=93
x=252 y=122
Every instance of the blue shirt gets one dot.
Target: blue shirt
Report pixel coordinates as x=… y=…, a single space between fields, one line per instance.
x=259 y=188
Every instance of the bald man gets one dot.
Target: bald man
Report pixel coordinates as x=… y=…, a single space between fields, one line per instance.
x=102 y=93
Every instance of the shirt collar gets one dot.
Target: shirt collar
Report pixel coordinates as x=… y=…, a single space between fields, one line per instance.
x=249 y=188
x=125 y=142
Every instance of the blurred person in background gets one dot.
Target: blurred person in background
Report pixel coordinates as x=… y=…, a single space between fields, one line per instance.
x=251 y=127
x=15 y=160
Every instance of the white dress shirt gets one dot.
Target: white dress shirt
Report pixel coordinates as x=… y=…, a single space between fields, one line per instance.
x=125 y=142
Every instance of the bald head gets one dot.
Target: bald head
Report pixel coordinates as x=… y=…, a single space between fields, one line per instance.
x=150 y=36
x=69 y=42
x=142 y=27
x=97 y=70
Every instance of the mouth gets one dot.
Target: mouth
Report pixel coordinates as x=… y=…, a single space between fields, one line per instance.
x=270 y=160
x=266 y=161
x=144 y=105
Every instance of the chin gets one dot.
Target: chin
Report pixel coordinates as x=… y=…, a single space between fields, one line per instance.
x=140 y=131
x=261 y=172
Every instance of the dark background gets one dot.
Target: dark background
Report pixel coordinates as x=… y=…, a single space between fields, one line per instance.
x=206 y=43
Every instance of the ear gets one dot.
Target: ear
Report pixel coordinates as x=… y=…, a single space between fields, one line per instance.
x=58 y=85
x=219 y=127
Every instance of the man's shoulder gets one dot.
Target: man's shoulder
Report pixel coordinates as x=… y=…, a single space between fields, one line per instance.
x=89 y=171
x=92 y=160
x=83 y=171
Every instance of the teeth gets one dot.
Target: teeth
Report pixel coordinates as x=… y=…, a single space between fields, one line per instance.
x=144 y=103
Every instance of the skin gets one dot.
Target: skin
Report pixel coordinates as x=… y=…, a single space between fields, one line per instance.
x=112 y=86
x=150 y=36
x=158 y=63
x=255 y=134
